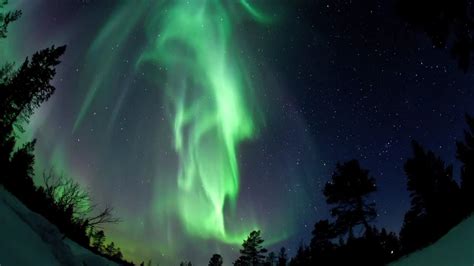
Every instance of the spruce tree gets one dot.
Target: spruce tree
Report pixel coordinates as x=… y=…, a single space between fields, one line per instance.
x=282 y=257
x=435 y=204
x=252 y=252
x=465 y=154
x=347 y=191
x=216 y=260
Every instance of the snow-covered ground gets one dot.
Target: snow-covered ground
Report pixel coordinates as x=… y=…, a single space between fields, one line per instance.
x=456 y=248
x=26 y=238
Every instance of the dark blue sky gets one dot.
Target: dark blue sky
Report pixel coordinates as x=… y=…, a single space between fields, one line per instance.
x=367 y=85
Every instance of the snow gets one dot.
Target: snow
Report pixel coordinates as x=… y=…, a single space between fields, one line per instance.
x=27 y=238
x=455 y=248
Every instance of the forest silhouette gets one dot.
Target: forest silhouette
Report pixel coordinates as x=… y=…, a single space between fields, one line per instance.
x=350 y=237
x=60 y=200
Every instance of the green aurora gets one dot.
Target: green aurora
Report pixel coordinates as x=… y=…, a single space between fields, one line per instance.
x=208 y=91
x=204 y=88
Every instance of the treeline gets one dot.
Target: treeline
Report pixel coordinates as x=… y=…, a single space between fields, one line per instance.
x=438 y=203
x=60 y=200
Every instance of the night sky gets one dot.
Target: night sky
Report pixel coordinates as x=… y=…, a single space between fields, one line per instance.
x=199 y=121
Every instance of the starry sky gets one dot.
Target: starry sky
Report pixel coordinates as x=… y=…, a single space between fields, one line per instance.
x=199 y=121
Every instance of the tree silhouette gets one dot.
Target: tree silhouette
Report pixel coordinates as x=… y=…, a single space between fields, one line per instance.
x=465 y=154
x=449 y=23
x=282 y=257
x=321 y=246
x=252 y=252
x=271 y=259
x=434 y=199
x=216 y=260
x=302 y=257
x=348 y=190
x=18 y=173
x=28 y=87
x=72 y=206
x=110 y=249
x=21 y=92
x=98 y=240
x=389 y=245
x=63 y=203
x=7 y=18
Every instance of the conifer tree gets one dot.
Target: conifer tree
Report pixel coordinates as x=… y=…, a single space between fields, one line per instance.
x=465 y=154
x=252 y=252
x=347 y=191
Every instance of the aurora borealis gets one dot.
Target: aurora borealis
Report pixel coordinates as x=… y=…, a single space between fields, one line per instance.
x=201 y=120
x=206 y=92
x=177 y=98
x=211 y=118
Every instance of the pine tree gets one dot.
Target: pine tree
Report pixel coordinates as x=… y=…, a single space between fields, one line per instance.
x=22 y=90
x=348 y=190
x=282 y=257
x=27 y=88
x=98 y=241
x=7 y=18
x=270 y=260
x=216 y=260
x=19 y=172
x=252 y=252
x=435 y=204
x=321 y=246
x=302 y=257
x=389 y=244
x=465 y=154
x=109 y=249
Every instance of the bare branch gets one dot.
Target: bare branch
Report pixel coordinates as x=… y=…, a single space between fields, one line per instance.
x=68 y=196
x=105 y=217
